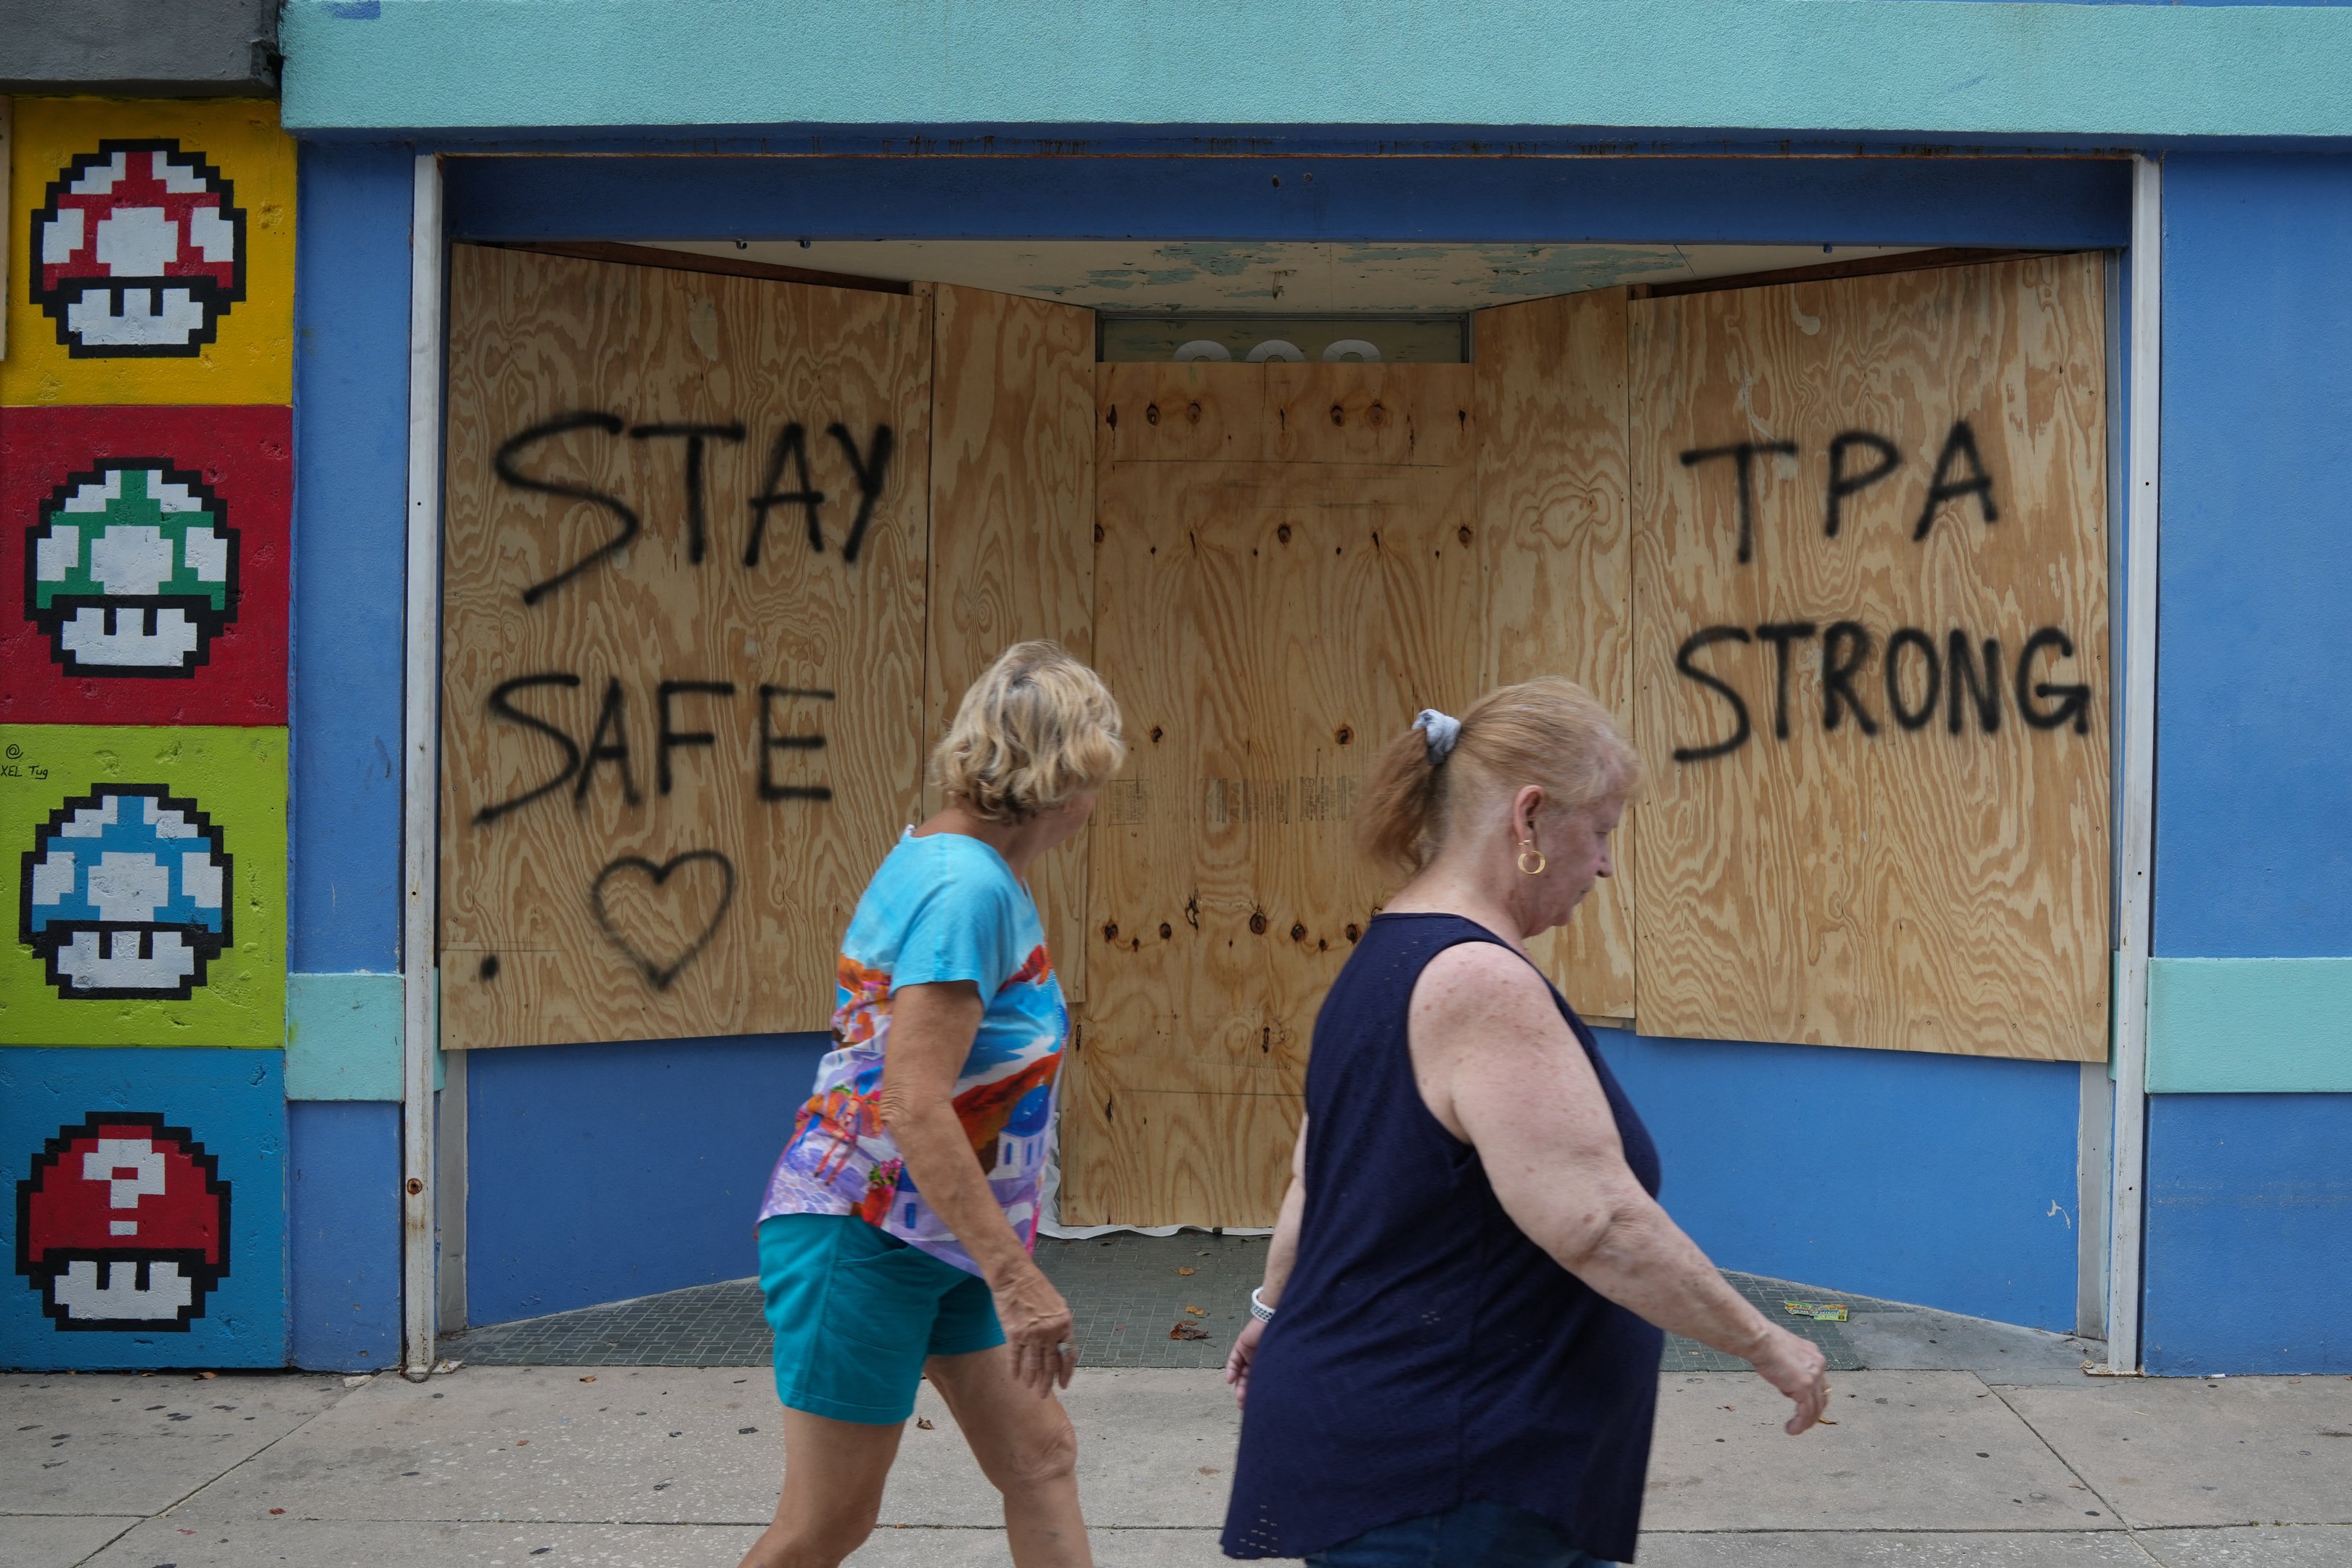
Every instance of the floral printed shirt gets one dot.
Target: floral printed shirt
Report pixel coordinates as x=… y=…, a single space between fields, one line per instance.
x=942 y=907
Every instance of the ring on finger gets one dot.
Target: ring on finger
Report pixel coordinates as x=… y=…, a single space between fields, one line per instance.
x=1063 y=1349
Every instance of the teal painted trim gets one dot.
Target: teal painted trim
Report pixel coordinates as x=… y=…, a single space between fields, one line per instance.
x=2250 y=1026
x=1926 y=67
x=342 y=1036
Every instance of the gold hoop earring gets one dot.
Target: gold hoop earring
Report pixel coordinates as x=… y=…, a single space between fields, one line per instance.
x=1528 y=847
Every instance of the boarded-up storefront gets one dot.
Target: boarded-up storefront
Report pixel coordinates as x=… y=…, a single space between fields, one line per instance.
x=722 y=552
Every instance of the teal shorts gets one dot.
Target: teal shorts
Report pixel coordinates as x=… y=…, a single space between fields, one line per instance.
x=856 y=1312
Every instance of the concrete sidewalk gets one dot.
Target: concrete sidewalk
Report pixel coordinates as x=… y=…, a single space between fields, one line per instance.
x=504 y=1467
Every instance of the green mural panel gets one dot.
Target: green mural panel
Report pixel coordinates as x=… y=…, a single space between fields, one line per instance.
x=2250 y=1026
x=146 y=874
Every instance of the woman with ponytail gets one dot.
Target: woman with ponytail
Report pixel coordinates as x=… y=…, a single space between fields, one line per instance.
x=1453 y=1358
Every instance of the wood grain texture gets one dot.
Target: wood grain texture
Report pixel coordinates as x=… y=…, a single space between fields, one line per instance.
x=1013 y=512
x=1195 y=412
x=1170 y=1141
x=533 y=338
x=1266 y=624
x=1554 y=507
x=1928 y=889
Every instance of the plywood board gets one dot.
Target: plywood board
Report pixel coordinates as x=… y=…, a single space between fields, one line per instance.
x=1554 y=507
x=1814 y=864
x=1195 y=412
x=1013 y=512
x=1157 y=1141
x=1267 y=625
x=701 y=886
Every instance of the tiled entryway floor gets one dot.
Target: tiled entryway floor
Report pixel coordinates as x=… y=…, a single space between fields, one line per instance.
x=1127 y=1291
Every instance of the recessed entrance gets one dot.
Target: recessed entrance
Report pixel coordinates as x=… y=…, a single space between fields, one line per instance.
x=724 y=550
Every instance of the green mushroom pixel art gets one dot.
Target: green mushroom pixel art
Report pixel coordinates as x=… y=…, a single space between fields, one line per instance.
x=131 y=570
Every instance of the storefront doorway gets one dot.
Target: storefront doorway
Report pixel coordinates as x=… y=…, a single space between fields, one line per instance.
x=723 y=551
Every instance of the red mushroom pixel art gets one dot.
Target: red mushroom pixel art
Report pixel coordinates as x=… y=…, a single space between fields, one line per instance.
x=122 y=1224
x=139 y=251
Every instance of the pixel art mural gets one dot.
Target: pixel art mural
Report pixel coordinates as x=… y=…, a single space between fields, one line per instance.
x=148 y=1223
x=140 y=250
x=145 y=552
x=103 y=1256
x=146 y=484
x=131 y=570
x=155 y=242
x=149 y=885
x=126 y=893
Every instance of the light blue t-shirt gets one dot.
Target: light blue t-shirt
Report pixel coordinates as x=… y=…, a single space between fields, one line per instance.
x=943 y=907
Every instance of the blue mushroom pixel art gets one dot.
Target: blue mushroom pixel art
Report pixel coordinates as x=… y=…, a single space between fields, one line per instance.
x=131 y=570
x=127 y=894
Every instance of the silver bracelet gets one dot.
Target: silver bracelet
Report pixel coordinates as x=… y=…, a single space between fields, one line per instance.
x=1259 y=1309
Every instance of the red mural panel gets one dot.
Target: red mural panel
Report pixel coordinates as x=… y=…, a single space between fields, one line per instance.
x=146 y=565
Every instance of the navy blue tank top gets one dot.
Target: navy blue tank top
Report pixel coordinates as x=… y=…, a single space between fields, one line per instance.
x=1426 y=1354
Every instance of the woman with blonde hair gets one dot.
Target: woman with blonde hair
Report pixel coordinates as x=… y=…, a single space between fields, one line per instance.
x=1453 y=1358
x=895 y=1239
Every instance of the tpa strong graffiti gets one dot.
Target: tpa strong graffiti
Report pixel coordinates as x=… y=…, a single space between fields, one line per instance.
x=131 y=570
x=127 y=894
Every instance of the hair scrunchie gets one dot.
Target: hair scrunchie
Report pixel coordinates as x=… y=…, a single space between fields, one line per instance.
x=1440 y=730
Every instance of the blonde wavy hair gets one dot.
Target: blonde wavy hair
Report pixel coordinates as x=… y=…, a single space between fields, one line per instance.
x=1036 y=729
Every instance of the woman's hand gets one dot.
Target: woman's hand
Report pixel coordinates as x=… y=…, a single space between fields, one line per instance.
x=1038 y=1329
x=1237 y=1364
x=1797 y=1368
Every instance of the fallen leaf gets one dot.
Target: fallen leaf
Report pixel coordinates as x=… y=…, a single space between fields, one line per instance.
x=925 y=1422
x=1187 y=1331
x=1183 y=1270
x=1726 y=1407
x=1826 y=1421
x=523 y=1443
x=201 y=1373
x=277 y=1510
x=1198 y=1311
x=588 y=1379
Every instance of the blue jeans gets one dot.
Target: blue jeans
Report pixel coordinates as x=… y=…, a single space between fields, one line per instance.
x=1474 y=1535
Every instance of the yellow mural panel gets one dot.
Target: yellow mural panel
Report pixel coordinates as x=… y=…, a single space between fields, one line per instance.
x=151 y=250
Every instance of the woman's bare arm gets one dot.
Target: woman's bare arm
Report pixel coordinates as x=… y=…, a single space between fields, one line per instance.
x=931 y=1030
x=1282 y=1250
x=1281 y=1253
x=1499 y=1068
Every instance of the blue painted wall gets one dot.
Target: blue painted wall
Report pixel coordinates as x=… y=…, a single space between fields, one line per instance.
x=2052 y=203
x=2254 y=692
x=350 y=483
x=342 y=1234
x=2249 y=1195
x=1944 y=1180
x=599 y=1173
x=2249 y=1233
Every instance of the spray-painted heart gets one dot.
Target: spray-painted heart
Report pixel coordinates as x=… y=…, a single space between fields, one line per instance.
x=659 y=974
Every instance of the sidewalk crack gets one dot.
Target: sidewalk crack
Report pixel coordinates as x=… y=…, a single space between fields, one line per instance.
x=2068 y=1465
